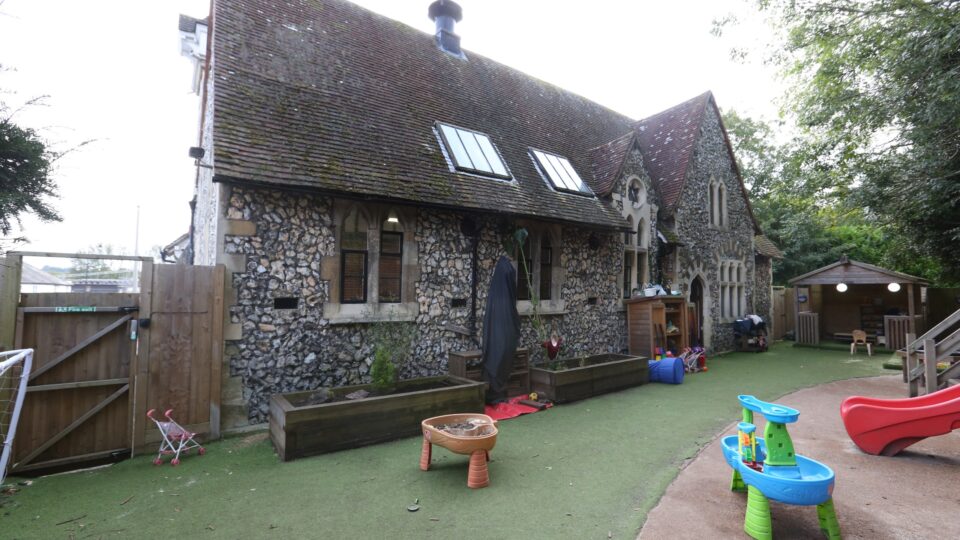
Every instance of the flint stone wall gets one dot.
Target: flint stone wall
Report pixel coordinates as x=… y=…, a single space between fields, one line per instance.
x=706 y=245
x=286 y=350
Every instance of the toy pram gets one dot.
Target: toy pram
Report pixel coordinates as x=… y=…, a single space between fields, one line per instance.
x=750 y=333
x=694 y=360
x=175 y=440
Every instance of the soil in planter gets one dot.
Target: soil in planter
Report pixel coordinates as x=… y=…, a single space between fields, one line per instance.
x=328 y=395
x=571 y=363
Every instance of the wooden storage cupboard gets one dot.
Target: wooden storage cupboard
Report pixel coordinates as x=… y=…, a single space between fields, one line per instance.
x=647 y=318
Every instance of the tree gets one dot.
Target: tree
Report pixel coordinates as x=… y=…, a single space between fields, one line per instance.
x=25 y=167
x=803 y=208
x=876 y=92
x=82 y=268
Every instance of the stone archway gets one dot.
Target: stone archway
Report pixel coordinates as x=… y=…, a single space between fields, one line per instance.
x=697 y=289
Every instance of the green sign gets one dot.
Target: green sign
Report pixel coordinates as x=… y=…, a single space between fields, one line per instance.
x=75 y=309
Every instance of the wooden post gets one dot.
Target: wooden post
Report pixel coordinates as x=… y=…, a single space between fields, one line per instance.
x=930 y=365
x=912 y=325
x=139 y=367
x=796 y=313
x=219 y=316
x=10 y=270
x=907 y=358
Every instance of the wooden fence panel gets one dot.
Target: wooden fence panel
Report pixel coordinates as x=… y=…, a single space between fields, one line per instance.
x=185 y=342
x=779 y=322
x=808 y=328
x=895 y=328
x=91 y=387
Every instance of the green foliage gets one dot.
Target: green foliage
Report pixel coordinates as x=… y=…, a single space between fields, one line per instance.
x=25 y=167
x=806 y=209
x=81 y=268
x=876 y=94
x=382 y=372
x=392 y=342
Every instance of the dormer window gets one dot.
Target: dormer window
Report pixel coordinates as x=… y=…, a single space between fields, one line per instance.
x=560 y=173
x=472 y=152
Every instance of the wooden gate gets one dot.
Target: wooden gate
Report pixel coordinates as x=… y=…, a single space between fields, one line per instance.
x=95 y=377
x=783 y=312
x=77 y=402
x=183 y=342
x=808 y=328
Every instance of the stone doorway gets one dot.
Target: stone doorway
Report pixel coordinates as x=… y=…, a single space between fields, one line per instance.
x=696 y=298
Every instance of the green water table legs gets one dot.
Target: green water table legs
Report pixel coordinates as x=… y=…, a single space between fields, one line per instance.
x=828 y=520
x=757 y=522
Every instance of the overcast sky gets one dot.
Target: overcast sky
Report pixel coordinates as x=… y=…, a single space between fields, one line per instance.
x=113 y=73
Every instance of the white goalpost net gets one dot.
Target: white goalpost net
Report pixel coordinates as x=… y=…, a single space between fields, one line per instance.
x=14 y=372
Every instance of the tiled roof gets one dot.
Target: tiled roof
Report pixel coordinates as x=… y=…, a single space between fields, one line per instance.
x=667 y=140
x=764 y=246
x=607 y=161
x=31 y=275
x=325 y=95
x=189 y=24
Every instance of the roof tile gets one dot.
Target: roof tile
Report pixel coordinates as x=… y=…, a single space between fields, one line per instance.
x=323 y=94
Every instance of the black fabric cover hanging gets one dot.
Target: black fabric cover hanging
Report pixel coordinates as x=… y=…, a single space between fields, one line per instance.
x=501 y=329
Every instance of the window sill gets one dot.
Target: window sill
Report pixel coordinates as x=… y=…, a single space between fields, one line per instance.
x=549 y=307
x=370 y=313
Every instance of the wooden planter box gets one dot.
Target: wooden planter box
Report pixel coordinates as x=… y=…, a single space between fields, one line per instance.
x=580 y=378
x=466 y=364
x=300 y=429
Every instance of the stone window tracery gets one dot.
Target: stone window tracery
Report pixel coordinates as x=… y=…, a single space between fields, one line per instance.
x=717 y=201
x=370 y=273
x=732 y=274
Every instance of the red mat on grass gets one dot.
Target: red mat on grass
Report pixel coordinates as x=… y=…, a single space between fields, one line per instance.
x=509 y=409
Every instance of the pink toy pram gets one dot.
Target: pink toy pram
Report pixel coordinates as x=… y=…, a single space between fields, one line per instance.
x=176 y=439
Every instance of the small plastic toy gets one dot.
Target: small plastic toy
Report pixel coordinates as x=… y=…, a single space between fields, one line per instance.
x=748 y=445
x=176 y=439
x=769 y=468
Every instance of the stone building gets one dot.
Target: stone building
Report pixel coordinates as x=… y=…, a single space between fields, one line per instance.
x=358 y=171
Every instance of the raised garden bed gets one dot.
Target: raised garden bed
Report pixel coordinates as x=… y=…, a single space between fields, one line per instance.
x=299 y=426
x=580 y=378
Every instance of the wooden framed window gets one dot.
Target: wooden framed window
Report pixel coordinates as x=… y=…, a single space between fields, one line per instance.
x=524 y=271
x=353 y=277
x=353 y=259
x=391 y=266
x=546 y=267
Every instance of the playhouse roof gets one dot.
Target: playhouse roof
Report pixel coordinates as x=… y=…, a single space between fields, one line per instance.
x=854 y=273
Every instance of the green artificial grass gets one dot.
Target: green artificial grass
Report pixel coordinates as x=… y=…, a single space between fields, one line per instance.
x=584 y=470
x=839 y=346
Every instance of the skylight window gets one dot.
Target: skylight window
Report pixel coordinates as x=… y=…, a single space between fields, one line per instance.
x=560 y=172
x=473 y=152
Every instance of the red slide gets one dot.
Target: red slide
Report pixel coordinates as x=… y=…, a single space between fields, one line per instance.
x=887 y=426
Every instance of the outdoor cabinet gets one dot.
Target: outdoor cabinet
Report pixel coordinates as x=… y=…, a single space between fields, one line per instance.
x=647 y=318
x=466 y=364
